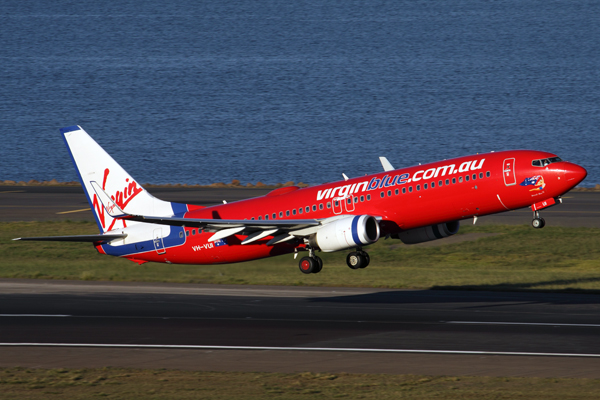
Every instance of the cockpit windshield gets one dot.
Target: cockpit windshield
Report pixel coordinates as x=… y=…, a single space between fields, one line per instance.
x=545 y=161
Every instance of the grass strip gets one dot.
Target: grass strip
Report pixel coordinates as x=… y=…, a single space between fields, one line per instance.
x=487 y=257
x=116 y=383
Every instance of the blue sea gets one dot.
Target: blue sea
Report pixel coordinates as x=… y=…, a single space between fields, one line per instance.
x=205 y=91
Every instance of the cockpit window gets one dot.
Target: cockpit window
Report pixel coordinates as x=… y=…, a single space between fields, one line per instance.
x=545 y=161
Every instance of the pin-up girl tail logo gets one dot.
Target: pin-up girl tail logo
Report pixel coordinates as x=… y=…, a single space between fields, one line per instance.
x=536 y=181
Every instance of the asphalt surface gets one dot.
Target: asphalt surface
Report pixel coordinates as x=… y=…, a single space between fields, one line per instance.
x=374 y=331
x=42 y=203
x=557 y=334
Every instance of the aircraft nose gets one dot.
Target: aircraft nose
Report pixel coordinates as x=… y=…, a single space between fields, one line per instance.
x=574 y=174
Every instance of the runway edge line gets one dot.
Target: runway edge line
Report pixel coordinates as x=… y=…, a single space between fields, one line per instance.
x=329 y=349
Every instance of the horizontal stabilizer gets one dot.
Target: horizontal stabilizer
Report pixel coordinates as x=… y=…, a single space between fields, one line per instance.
x=77 y=238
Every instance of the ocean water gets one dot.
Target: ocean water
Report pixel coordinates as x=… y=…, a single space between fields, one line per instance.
x=207 y=91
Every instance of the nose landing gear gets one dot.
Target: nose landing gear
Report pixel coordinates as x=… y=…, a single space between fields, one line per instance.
x=538 y=222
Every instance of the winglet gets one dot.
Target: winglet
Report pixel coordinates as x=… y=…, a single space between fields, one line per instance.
x=109 y=205
x=387 y=166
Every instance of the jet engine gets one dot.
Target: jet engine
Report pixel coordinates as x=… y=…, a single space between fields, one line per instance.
x=427 y=233
x=345 y=233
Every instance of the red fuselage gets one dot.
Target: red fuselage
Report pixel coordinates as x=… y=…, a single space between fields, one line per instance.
x=404 y=199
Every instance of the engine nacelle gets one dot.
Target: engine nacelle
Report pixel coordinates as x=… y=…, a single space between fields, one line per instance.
x=427 y=233
x=345 y=233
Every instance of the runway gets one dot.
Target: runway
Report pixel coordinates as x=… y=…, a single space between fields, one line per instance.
x=313 y=329
x=45 y=203
x=292 y=329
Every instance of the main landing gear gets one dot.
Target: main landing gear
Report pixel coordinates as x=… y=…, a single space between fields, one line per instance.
x=311 y=264
x=538 y=222
x=358 y=259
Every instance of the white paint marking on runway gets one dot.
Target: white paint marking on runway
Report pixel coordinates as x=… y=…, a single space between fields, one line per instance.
x=520 y=323
x=35 y=315
x=329 y=349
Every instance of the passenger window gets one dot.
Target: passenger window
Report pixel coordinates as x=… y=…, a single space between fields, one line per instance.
x=187 y=233
x=368 y=197
x=389 y=193
x=294 y=211
x=356 y=200
x=287 y=213
x=403 y=190
x=266 y=216
x=425 y=186
x=252 y=218
x=474 y=176
x=314 y=207
x=459 y=179
x=453 y=180
x=410 y=189
x=320 y=206
x=193 y=232
x=300 y=210
x=181 y=234
x=307 y=209
x=328 y=204
x=396 y=192
x=487 y=174
x=349 y=200
x=440 y=183
x=274 y=215
x=447 y=181
x=467 y=178
x=432 y=185
x=481 y=175
x=280 y=214
x=337 y=203
x=362 y=198
x=259 y=217
x=418 y=187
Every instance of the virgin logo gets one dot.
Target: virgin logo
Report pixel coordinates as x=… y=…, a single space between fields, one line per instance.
x=121 y=199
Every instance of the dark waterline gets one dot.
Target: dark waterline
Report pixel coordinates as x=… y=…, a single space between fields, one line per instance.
x=201 y=92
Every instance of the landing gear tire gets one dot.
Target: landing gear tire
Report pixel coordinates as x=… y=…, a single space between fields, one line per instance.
x=538 y=223
x=367 y=259
x=356 y=260
x=310 y=265
x=319 y=265
x=307 y=265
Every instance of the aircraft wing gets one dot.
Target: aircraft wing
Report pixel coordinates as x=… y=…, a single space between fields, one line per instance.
x=282 y=230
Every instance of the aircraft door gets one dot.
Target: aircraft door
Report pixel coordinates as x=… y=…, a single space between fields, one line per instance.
x=349 y=201
x=337 y=205
x=159 y=245
x=509 y=172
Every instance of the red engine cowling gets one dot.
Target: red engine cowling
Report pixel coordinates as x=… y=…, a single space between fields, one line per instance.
x=427 y=233
x=345 y=233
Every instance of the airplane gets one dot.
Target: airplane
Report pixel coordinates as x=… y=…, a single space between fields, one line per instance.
x=415 y=204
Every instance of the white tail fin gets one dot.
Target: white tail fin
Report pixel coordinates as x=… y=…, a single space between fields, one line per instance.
x=95 y=165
